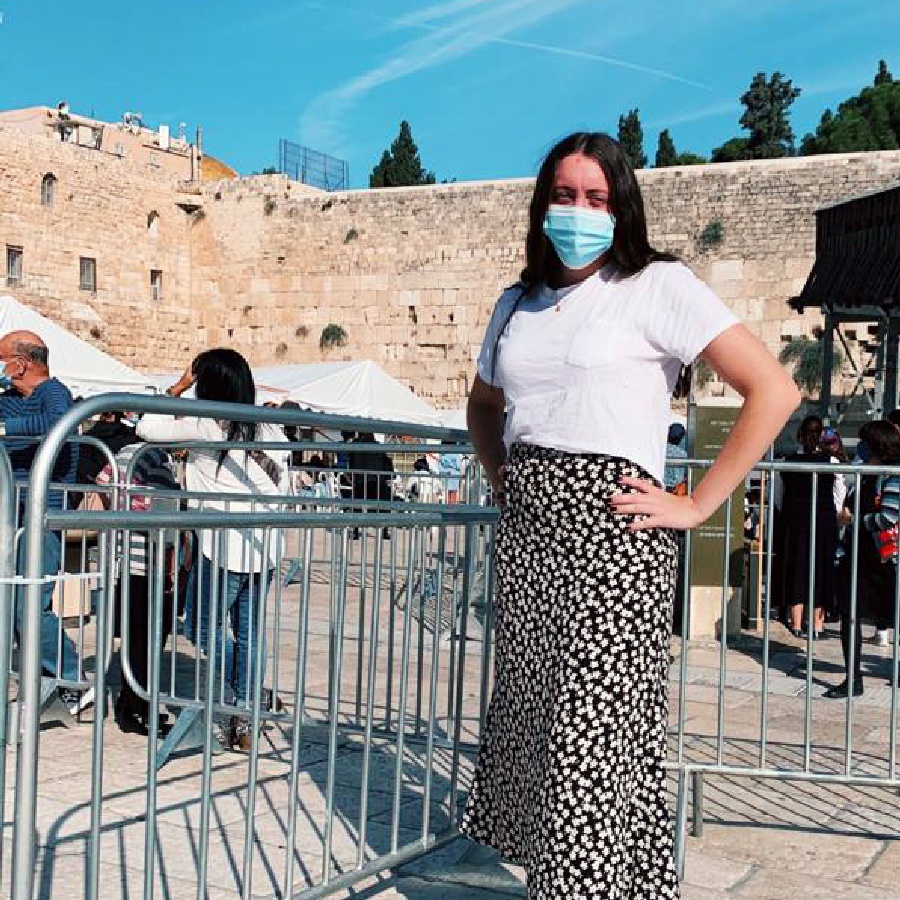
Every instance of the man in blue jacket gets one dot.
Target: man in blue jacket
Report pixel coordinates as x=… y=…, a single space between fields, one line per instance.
x=33 y=403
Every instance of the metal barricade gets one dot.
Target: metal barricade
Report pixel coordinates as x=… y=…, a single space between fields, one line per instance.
x=696 y=753
x=361 y=727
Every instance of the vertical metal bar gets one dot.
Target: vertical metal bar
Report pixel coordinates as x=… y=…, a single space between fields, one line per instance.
x=361 y=620
x=681 y=812
x=370 y=707
x=30 y=682
x=468 y=580
x=487 y=644
x=420 y=661
x=217 y=577
x=767 y=615
x=404 y=688
x=685 y=632
x=811 y=616
x=697 y=804
x=156 y=564
x=299 y=705
x=433 y=689
x=266 y=573
x=723 y=643
x=851 y=661
x=334 y=709
x=8 y=510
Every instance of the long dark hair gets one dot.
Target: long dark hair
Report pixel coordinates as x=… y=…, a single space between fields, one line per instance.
x=883 y=441
x=224 y=375
x=631 y=250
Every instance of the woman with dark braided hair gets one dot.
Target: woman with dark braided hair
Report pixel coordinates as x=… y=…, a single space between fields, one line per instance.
x=569 y=414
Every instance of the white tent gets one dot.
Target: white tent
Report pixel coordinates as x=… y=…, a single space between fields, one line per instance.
x=454 y=418
x=83 y=368
x=347 y=389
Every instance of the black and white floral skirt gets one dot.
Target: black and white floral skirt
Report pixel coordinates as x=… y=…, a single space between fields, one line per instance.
x=569 y=780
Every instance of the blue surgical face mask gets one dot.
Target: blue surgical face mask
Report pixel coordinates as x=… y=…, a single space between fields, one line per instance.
x=580 y=236
x=5 y=380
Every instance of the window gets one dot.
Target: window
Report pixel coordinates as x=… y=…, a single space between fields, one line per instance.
x=153 y=224
x=87 y=274
x=48 y=189
x=13 y=265
x=156 y=285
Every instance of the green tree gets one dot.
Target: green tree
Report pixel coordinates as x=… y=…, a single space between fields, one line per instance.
x=766 y=116
x=732 y=150
x=690 y=159
x=631 y=137
x=400 y=165
x=868 y=121
x=806 y=357
x=665 y=150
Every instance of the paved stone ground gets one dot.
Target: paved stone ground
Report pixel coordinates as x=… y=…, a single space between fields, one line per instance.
x=760 y=839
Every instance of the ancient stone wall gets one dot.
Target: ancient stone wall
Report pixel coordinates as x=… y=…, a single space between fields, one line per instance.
x=411 y=274
x=101 y=209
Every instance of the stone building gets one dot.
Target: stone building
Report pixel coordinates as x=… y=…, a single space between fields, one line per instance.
x=153 y=264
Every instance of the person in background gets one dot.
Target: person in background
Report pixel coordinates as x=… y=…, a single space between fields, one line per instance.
x=876 y=563
x=797 y=512
x=113 y=429
x=675 y=478
x=32 y=404
x=240 y=560
x=152 y=471
x=450 y=470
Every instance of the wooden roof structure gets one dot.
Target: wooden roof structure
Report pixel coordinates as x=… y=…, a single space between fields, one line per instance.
x=857 y=265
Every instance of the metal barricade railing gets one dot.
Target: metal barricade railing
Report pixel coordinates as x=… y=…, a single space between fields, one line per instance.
x=412 y=686
x=697 y=754
x=365 y=662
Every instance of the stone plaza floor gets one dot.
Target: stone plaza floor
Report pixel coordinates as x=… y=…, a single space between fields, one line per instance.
x=769 y=839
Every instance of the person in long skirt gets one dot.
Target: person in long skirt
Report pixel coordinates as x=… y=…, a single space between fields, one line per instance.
x=569 y=414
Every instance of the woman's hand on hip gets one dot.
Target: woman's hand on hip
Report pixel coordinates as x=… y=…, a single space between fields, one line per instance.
x=657 y=507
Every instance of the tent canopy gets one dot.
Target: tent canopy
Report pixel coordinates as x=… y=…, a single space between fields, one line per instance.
x=83 y=368
x=346 y=388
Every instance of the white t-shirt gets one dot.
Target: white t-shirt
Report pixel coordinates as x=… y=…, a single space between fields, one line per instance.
x=591 y=368
x=242 y=549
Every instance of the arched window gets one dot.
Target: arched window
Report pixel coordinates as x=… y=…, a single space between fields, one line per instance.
x=153 y=224
x=48 y=189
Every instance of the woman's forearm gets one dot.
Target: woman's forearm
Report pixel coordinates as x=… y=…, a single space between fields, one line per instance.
x=486 y=430
x=758 y=424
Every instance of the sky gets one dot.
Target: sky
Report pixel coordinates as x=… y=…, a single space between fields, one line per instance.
x=486 y=85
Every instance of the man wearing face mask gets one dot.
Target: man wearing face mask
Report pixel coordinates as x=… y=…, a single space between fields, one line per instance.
x=32 y=404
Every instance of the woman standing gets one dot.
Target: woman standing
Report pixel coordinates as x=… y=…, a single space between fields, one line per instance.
x=797 y=547
x=876 y=559
x=582 y=356
x=239 y=560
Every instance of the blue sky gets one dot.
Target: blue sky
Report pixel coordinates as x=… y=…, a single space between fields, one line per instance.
x=487 y=85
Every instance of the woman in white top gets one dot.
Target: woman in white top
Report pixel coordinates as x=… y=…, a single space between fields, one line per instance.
x=569 y=414
x=243 y=557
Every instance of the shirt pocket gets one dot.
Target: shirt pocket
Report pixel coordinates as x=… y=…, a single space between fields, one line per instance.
x=596 y=345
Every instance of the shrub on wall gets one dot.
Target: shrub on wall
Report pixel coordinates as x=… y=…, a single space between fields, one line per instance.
x=713 y=234
x=332 y=336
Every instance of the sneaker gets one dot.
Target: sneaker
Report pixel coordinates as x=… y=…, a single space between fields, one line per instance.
x=240 y=734
x=268 y=702
x=882 y=637
x=839 y=691
x=70 y=699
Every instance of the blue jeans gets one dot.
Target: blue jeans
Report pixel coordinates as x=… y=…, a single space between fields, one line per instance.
x=241 y=594
x=50 y=625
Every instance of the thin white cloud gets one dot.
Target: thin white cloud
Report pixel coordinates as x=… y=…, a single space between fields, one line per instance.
x=320 y=124
x=598 y=57
x=435 y=13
